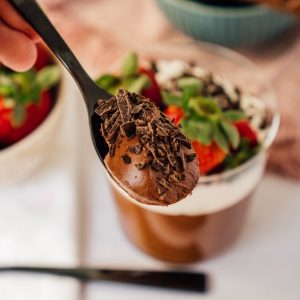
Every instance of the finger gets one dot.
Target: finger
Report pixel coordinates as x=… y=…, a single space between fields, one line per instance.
x=14 y=20
x=17 y=51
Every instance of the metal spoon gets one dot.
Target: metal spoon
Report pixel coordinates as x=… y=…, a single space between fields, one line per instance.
x=179 y=280
x=91 y=92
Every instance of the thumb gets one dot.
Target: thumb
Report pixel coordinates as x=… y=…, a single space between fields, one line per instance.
x=17 y=51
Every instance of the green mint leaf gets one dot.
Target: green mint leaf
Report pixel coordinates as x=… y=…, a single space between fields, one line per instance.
x=139 y=84
x=186 y=96
x=170 y=99
x=220 y=138
x=126 y=82
x=107 y=81
x=47 y=77
x=23 y=79
x=19 y=115
x=198 y=130
x=233 y=115
x=204 y=106
x=6 y=90
x=7 y=87
x=192 y=83
x=231 y=133
x=244 y=153
x=33 y=95
x=130 y=65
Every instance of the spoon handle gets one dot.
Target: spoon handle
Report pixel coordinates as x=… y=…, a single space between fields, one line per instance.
x=186 y=281
x=34 y=15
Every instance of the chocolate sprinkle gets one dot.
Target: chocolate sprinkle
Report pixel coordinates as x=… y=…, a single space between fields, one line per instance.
x=190 y=157
x=128 y=129
x=135 y=149
x=126 y=159
x=141 y=166
x=130 y=115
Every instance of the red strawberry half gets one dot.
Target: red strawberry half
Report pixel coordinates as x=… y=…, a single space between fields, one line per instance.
x=174 y=113
x=246 y=131
x=209 y=156
x=35 y=113
x=153 y=91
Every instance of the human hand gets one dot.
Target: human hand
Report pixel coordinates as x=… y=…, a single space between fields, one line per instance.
x=17 y=46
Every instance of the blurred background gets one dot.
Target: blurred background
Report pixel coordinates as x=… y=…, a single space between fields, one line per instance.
x=55 y=206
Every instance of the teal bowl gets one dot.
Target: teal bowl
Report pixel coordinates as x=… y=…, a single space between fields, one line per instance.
x=244 y=26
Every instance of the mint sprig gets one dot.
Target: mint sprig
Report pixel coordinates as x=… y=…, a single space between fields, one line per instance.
x=129 y=79
x=233 y=115
x=220 y=139
x=203 y=118
x=130 y=65
x=231 y=133
x=23 y=88
x=201 y=130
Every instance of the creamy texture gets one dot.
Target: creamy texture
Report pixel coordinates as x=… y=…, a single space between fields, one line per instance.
x=149 y=156
x=142 y=184
x=212 y=197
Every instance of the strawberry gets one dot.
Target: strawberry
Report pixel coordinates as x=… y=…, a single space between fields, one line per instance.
x=25 y=101
x=209 y=156
x=245 y=131
x=43 y=57
x=174 y=113
x=153 y=91
x=34 y=115
x=5 y=126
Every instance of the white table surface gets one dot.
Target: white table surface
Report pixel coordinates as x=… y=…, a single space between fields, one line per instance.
x=39 y=221
x=263 y=264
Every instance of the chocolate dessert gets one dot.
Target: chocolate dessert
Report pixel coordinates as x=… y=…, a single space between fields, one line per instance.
x=227 y=128
x=148 y=155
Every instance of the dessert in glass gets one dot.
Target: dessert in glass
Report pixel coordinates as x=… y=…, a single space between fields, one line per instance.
x=229 y=111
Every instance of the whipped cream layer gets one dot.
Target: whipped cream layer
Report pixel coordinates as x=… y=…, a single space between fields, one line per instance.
x=214 y=196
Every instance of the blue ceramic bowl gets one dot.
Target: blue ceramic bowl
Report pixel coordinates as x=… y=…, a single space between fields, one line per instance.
x=244 y=26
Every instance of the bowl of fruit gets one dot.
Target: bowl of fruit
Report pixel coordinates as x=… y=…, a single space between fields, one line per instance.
x=225 y=106
x=30 y=107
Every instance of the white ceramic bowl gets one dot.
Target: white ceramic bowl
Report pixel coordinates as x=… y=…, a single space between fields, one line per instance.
x=22 y=158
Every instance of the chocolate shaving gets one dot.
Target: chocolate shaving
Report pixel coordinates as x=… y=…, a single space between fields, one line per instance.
x=141 y=166
x=131 y=115
x=136 y=149
x=163 y=182
x=174 y=177
x=141 y=130
x=182 y=160
x=124 y=105
x=128 y=129
x=126 y=158
x=190 y=157
x=156 y=165
x=137 y=109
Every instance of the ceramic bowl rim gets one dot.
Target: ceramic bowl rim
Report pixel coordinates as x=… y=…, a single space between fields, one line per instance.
x=225 y=12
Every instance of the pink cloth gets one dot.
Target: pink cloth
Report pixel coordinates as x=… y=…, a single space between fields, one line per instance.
x=100 y=31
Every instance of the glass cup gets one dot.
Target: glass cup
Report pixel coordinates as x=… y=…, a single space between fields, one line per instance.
x=211 y=218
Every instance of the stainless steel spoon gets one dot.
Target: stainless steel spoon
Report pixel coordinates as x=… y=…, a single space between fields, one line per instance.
x=179 y=280
x=91 y=92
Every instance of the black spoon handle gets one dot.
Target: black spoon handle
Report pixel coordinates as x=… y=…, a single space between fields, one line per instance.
x=186 y=281
x=34 y=15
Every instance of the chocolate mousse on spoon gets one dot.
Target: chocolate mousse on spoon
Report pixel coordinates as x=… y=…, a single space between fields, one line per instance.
x=143 y=152
x=149 y=157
